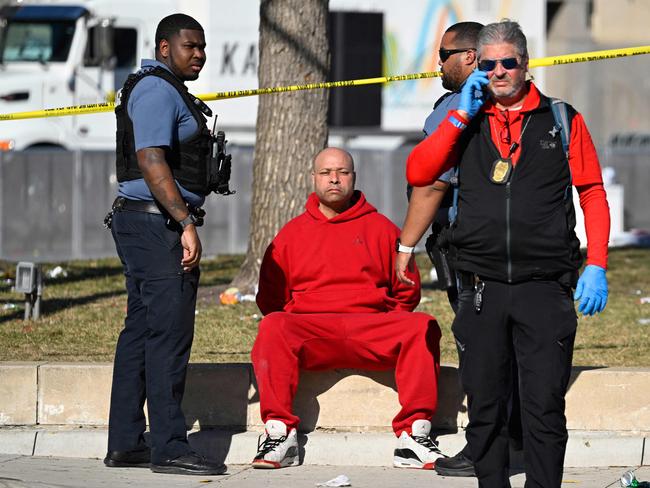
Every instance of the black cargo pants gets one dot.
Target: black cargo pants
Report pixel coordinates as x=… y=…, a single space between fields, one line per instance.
x=532 y=323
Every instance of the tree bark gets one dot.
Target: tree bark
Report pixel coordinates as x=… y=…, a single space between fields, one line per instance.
x=291 y=127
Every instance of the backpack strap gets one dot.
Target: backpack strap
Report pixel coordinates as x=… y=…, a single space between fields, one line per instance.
x=453 y=210
x=561 y=117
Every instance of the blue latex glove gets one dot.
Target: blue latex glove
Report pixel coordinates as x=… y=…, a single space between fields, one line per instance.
x=592 y=290
x=472 y=95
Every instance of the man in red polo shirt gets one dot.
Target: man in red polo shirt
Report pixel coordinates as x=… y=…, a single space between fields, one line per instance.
x=514 y=246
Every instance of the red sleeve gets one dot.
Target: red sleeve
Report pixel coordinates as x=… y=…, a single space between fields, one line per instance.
x=273 y=293
x=585 y=168
x=588 y=179
x=593 y=202
x=436 y=154
x=406 y=296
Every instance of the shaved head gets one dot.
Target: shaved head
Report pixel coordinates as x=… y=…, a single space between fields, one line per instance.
x=333 y=178
x=332 y=152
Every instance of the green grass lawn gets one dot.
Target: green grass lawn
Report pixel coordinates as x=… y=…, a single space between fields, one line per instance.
x=82 y=315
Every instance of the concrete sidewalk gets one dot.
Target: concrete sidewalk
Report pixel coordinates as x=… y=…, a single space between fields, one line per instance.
x=44 y=472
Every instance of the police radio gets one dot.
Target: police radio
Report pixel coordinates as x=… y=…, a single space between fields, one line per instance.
x=220 y=163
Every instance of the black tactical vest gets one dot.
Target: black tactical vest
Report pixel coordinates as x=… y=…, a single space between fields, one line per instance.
x=524 y=229
x=188 y=159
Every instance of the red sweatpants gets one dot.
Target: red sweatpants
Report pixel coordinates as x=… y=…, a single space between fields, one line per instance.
x=406 y=341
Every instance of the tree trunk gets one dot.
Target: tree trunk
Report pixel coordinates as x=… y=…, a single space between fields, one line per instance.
x=291 y=127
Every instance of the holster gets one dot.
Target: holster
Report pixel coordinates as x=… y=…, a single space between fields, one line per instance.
x=439 y=256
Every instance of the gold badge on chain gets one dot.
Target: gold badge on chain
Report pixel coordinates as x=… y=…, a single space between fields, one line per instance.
x=501 y=170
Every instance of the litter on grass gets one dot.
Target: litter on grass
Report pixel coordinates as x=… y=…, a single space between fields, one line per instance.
x=57 y=272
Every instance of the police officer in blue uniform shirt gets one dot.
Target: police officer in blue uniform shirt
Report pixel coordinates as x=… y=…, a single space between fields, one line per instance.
x=162 y=147
x=457 y=60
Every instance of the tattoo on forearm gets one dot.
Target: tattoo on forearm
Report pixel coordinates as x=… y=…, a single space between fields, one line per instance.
x=160 y=181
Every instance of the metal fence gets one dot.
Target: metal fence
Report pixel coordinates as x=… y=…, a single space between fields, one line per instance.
x=52 y=203
x=631 y=163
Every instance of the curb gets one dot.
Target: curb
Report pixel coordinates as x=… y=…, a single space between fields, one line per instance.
x=584 y=449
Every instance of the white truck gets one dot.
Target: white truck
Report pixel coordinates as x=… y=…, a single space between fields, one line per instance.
x=56 y=54
x=61 y=53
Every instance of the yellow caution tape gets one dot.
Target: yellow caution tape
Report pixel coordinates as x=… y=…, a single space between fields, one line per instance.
x=590 y=56
x=534 y=63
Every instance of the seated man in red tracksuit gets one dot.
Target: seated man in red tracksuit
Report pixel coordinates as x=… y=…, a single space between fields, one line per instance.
x=331 y=299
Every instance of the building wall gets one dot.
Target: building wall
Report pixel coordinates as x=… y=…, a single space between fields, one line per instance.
x=614 y=94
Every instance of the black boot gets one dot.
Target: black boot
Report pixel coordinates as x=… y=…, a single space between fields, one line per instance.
x=459 y=465
x=191 y=463
x=137 y=458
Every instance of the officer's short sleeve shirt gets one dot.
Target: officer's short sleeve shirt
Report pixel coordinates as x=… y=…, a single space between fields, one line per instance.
x=160 y=118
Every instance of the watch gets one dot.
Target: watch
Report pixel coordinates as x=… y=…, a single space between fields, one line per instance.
x=190 y=219
x=405 y=249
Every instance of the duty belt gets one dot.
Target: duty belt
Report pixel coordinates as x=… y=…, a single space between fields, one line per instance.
x=124 y=204
x=151 y=207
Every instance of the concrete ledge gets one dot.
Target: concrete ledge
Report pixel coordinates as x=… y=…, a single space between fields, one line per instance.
x=361 y=401
x=225 y=396
x=18 y=390
x=74 y=393
x=217 y=395
x=605 y=449
x=609 y=399
x=585 y=449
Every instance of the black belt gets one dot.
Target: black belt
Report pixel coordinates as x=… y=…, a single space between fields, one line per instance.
x=151 y=207
x=567 y=278
x=124 y=204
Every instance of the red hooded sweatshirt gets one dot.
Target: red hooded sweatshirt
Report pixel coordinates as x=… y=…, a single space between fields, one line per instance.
x=340 y=265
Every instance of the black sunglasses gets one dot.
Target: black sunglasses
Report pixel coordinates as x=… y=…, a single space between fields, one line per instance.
x=490 y=64
x=446 y=53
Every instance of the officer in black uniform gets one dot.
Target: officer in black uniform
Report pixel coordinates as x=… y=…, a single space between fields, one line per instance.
x=163 y=170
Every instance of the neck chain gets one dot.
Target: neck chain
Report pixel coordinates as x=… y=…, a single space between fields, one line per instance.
x=514 y=145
